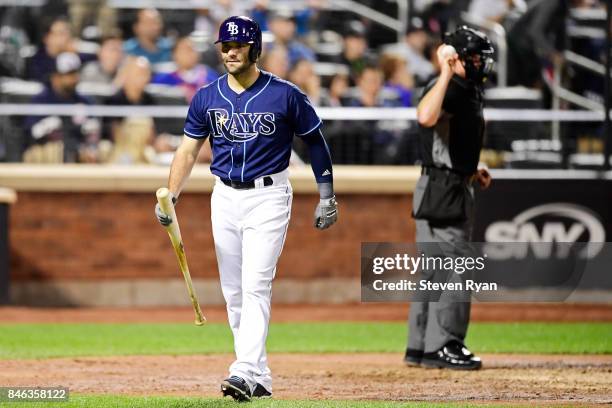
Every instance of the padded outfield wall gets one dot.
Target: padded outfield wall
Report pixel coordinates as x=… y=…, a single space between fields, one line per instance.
x=87 y=235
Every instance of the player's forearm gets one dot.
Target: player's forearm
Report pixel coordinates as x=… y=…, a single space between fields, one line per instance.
x=430 y=107
x=182 y=164
x=320 y=160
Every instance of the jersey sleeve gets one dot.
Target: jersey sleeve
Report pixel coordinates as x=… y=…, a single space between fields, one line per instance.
x=453 y=98
x=196 y=124
x=302 y=113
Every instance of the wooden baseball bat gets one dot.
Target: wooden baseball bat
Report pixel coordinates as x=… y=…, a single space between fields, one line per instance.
x=163 y=198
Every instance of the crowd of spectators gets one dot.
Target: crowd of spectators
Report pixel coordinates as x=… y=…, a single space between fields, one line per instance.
x=88 y=53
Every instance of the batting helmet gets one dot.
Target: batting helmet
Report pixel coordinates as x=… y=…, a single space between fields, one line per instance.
x=242 y=30
x=469 y=43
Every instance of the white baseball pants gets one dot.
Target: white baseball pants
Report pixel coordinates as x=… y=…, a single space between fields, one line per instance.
x=249 y=230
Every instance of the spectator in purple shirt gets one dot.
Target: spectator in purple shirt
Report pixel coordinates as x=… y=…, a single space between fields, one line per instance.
x=190 y=74
x=398 y=77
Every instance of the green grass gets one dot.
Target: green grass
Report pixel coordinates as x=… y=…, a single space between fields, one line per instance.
x=18 y=341
x=176 y=402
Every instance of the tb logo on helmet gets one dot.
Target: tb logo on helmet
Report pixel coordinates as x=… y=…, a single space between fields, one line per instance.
x=232 y=28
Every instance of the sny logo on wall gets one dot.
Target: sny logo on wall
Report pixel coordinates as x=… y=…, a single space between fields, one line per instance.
x=560 y=225
x=243 y=126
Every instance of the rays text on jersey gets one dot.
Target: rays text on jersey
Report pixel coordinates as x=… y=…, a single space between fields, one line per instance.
x=241 y=126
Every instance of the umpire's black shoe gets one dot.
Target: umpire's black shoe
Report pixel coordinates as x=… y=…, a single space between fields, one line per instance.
x=453 y=355
x=261 y=392
x=413 y=357
x=237 y=388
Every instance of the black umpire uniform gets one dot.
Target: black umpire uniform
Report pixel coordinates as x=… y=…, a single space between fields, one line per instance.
x=443 y=201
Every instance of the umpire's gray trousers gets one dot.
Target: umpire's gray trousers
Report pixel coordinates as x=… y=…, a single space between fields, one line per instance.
x=433 y=324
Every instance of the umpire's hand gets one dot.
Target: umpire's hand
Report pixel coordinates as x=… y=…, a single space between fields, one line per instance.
x=326 y=213
x=484 y=178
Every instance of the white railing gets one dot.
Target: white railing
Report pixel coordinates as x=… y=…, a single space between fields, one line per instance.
x=344 y=113
x=585 y=63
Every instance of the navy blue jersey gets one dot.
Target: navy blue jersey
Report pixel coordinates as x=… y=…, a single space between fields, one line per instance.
x=251 y=132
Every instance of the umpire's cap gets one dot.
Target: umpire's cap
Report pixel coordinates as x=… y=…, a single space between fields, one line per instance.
x=244 y=30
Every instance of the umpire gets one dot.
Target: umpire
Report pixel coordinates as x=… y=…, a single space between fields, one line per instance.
x=450 y=116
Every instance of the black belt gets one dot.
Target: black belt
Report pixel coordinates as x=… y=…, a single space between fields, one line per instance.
x=246 y=185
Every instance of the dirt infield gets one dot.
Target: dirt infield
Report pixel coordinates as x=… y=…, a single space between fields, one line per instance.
x=529 y=380
x=490 y=312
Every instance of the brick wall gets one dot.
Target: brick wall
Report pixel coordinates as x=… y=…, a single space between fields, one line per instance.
x=81 y=236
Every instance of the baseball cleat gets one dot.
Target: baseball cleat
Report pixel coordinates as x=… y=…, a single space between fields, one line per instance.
x=413 y=357
x=261 y=392
x=237 y=388
x=453 y=355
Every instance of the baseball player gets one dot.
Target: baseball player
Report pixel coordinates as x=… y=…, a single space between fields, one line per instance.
x=450 y=116
x=250 y=117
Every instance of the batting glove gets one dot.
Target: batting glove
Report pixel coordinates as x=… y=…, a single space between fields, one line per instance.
x=326 y=213
x=163 y=218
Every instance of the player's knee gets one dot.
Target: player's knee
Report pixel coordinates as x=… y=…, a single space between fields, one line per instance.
x=260 y=290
